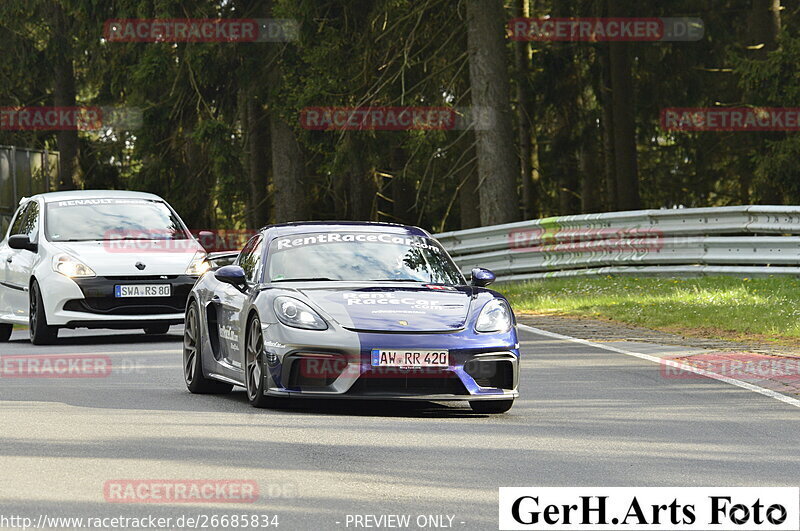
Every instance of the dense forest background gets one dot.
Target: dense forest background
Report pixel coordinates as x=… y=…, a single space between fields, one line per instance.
x=577 y=123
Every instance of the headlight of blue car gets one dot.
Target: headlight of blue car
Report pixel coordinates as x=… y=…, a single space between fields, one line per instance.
x=494 y=317
x=298 y=314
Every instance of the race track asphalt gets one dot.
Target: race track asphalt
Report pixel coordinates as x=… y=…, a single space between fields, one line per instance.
x=586 y=417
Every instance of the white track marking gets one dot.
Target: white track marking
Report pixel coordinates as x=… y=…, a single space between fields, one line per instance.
x=655 y=359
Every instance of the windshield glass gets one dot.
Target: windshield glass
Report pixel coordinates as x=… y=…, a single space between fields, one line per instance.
x=359 y=257
x=111 y=219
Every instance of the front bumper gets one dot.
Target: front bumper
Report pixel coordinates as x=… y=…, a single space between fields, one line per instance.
x=90 y=302
x=481 y=367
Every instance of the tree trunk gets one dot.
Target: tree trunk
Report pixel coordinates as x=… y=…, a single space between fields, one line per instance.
x=192 y=180
x=624 y=121
x=288 y=172
x=468 y=195
x=764 y=24
x=609 y=161
x=362 y=196
x=403 y=191
x=536 y=186
x=625 y=159
x=524 y=129
x=569 y=201
x=258 y=148
x=64 y=94
x=591 y=200
x=359 y=189
x=498 y=166
x=288 y=161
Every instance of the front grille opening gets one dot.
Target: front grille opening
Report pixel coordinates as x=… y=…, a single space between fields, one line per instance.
x=143 y=278
x=491 y=373
x=440 y=382
x=313 y=371
x=137 y=306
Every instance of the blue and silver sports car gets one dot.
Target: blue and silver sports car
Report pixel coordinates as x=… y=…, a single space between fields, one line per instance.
x=350 y=310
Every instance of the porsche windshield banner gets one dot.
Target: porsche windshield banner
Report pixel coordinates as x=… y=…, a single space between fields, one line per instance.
x=305 y=240
x=650 y=508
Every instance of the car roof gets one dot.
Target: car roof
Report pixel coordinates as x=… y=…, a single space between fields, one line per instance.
x=94 y=194
x=302 y=227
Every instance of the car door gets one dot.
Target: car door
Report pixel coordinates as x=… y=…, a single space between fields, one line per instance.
x=18 y=264
x=231 y=303
x=5 y=260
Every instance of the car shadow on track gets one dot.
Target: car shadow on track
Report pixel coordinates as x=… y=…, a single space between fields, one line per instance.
x=103 y=339
x=359 y=408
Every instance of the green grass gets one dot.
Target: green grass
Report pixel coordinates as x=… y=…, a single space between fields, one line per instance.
x=715 y=306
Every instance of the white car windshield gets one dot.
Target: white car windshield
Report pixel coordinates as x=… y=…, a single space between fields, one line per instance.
x=360 y=257
x=104 y=219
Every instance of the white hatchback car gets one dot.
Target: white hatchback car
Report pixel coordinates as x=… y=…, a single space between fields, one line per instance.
x=96 y=259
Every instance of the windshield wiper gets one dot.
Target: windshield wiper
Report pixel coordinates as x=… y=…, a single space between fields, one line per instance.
x=132 y=238
x=310 y=279
x=123 y=239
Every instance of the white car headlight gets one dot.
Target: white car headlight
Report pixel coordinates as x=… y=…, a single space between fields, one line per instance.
x=494 y=317
x=298 y=314
x=199 y=265
x=71 y=267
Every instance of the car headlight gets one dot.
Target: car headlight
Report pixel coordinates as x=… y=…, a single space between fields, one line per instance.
x=199 y=265
x=494 y=317
x=71 y=267
x=297 y=314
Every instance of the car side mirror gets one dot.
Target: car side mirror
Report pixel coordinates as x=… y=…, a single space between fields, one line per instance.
x=231 y=274
x=482 y=277
x=22 y=242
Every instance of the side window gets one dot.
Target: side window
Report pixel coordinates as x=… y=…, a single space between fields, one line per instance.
x=246 y=251
x=258 y=263
x=30 y=225
x=250 y=259
x=19 y=221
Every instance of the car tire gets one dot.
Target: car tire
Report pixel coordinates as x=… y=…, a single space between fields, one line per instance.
x=196 y=381
x=254 y=365
x=41 y=333
x=5 y=332
x=492 y=407
x=156 y=330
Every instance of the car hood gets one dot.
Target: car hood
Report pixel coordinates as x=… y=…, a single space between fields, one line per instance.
x=391 y=308
x=110 y=259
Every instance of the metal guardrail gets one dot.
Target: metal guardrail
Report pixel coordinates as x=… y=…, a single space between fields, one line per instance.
x=738 y=240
